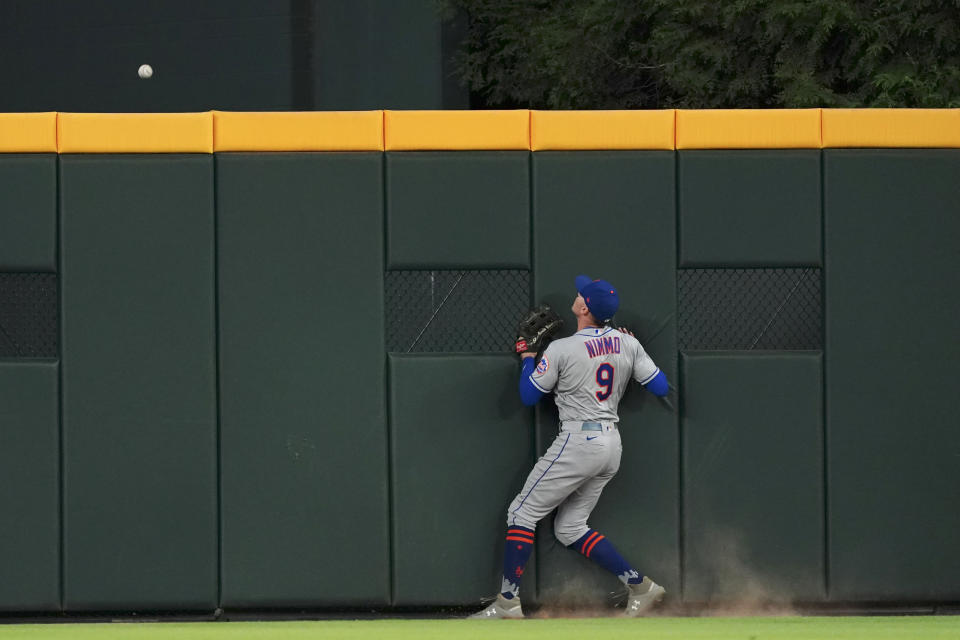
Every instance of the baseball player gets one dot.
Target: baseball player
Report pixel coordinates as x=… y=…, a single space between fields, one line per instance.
x=588 y=373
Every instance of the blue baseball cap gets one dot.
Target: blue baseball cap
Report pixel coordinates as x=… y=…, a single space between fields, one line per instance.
x=601 y=298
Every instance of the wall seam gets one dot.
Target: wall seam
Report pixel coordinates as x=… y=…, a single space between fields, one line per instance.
x=60 y=462
x=391 y=537
x=823 y=373
x=388 y=422
x=675 y=117
x=529 y=130
x=530 y=224
x=681 y=560
x=535 y=413
x=217 y=393
x=383 y=144
x=820 y=118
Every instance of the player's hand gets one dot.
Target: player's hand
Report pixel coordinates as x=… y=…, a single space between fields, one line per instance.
x=626 y=331
x=528 y=354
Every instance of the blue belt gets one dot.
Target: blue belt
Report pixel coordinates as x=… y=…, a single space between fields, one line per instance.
x=587 y=425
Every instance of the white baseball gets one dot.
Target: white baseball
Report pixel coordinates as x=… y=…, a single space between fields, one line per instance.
x=145 y=71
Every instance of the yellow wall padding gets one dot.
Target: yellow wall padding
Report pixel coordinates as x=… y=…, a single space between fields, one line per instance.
x=461 y=130
x=456 y=130
x=748 y=129
x=298 y=131
x=136 y=132
x=927 y=128
x=602 y=130
x=28 y=132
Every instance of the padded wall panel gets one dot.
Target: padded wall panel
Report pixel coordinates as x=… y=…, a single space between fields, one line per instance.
x=303 y=422
x=461 y=448
x=611 y=215
x=28 y=212
x=753 y=476
x=749 y=208
x=29 y=487
x=892 y=232
x=139 y=382
x=457 y=210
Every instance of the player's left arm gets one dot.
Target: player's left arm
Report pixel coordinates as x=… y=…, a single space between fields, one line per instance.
x=658 y=385
x=646 y=372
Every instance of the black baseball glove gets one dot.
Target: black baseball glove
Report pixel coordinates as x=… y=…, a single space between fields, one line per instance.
x=537 y=329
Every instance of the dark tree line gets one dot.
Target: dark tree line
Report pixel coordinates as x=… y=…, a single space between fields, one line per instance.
x=610 y=54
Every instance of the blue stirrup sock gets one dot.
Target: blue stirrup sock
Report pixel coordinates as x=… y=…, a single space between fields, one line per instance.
x=516 y=552
x=595 y=546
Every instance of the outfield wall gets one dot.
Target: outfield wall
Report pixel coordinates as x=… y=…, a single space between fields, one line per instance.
x=218 y=414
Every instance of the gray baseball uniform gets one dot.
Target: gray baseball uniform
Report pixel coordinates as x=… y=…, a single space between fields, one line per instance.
x=589 y=371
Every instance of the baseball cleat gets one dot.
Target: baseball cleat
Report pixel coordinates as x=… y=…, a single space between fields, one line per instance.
x=643 y=597
x=501 y=608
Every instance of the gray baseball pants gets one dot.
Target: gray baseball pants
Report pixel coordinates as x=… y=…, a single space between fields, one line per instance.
x=569 y=477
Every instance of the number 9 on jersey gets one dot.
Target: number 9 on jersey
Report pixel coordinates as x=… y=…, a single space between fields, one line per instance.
x=605 y=380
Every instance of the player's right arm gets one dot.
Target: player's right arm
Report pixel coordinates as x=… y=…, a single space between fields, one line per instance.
x=529 y=393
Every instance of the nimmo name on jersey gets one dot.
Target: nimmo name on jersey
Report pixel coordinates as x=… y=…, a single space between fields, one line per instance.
x=602 y=346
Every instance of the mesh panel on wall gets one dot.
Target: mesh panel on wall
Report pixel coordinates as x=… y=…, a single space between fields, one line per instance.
x=454 y=311
x=28 y=315
x=743 y=309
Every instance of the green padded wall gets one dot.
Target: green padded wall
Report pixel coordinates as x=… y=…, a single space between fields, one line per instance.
x=303 y=422
x=611 y=215
x=139 y=382
x=461 y=446
x=29 y=486
x=892 y=231
x=458 y=210
x=749 y=208
x=753 y=520
x=28 y=212
x=159 y=252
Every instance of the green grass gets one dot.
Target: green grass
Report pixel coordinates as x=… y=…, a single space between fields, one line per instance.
x=787 y=628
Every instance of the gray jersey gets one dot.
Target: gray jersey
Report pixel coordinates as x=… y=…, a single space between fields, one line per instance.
x=590 y=371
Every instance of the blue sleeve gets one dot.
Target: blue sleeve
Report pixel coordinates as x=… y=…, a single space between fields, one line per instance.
x=529 y=394
x=658 y=386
